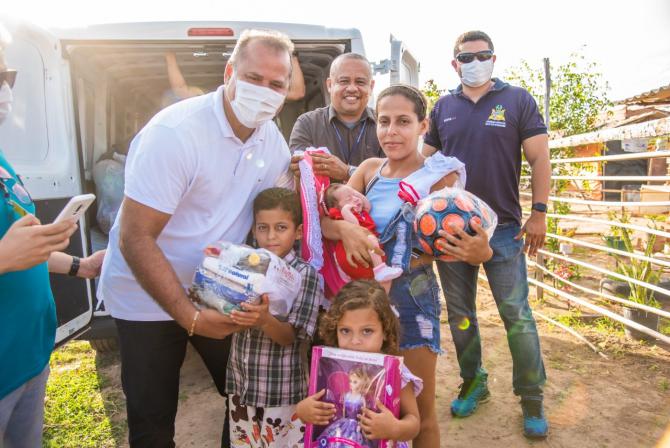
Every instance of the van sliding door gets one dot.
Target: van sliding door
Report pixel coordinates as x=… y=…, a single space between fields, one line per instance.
x=38 y=139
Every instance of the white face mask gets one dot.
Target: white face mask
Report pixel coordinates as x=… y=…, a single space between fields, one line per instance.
x=476 y=73
x=254 y=105
x=6 y=99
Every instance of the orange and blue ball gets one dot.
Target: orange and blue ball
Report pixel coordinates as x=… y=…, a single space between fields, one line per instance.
x=443 y=210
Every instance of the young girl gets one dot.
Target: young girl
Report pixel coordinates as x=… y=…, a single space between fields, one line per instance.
x=361 y=318
x=401 y=120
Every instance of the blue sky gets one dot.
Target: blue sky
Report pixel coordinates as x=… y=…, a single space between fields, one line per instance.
x=630 y=40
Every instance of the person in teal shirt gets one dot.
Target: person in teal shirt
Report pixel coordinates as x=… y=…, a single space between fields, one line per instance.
x=29 y=250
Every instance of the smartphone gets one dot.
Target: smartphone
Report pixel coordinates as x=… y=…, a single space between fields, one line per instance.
x=76 y=207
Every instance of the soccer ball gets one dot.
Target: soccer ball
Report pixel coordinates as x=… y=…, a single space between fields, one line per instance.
x=449 y=206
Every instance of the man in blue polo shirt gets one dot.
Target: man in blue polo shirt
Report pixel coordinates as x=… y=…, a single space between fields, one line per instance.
x=486 y=123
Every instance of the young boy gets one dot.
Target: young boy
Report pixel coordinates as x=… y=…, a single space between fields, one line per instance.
x=267 y=374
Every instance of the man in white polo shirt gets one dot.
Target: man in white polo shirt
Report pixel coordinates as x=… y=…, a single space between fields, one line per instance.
x=191 y=177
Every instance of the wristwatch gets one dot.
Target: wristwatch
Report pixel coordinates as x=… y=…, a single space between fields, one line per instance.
x=540 y=207
x=74 y=267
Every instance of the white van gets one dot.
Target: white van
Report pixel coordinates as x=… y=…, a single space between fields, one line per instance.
x=82 y=92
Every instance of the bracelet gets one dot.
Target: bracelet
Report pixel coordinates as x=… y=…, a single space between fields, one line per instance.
x=74 y=267
x=195 y=319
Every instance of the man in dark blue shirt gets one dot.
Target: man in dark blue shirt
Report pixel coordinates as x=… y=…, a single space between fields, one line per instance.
x=486 y=123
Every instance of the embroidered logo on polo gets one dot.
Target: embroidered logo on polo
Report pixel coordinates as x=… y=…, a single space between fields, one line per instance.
x=497 y=117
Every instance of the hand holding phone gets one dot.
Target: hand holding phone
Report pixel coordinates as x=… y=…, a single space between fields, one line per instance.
x=28 y=243
x=76 y=207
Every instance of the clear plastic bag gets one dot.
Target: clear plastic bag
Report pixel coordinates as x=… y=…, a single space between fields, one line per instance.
x=109 y=184
x=232 y=274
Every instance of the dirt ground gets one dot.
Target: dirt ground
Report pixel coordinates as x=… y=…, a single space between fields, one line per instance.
x=622 y=401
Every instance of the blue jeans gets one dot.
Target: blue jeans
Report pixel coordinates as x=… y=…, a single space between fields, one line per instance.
x=506 y=272
x=22 y=413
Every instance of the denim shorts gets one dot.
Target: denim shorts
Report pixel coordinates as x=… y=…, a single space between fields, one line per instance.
x=416 y=296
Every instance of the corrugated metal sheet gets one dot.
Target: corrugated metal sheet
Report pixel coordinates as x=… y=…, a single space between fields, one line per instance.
x=660 y=95
x=638 y=130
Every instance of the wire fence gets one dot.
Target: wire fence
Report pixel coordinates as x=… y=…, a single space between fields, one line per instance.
x=619 y=243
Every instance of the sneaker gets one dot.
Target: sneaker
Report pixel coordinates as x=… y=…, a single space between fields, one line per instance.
x=535 y=424
x=473 y=391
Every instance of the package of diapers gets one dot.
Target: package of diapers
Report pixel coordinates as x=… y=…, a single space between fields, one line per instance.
x=232 y=274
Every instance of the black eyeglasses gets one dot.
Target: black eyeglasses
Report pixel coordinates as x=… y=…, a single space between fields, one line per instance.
x=466 y=58
x=8 y=76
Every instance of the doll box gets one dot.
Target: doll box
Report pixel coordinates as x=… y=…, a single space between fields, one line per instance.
x=373 y=375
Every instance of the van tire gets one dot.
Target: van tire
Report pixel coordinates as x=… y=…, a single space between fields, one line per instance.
x=104 y=345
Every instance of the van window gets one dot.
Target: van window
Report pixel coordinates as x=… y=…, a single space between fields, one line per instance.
x=24 y=134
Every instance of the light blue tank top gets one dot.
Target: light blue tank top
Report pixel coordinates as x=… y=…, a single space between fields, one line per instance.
x=382 y=192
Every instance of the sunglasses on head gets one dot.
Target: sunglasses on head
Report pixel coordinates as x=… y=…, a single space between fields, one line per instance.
x=466 y=58
x=8 y=76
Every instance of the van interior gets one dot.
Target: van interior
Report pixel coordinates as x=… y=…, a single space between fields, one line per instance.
x=119 y=86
